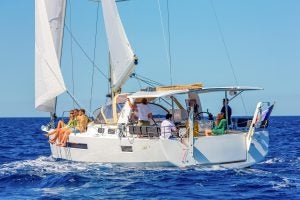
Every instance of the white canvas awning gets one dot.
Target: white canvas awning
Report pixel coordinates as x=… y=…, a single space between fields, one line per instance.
x=156 y=94
x=228 y=89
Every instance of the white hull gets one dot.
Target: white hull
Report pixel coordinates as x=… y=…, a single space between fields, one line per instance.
x=228 y=150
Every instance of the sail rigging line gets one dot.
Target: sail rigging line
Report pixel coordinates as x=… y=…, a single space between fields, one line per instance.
x=169 y=41
x=53 y=116
x=116 y=0
x=167 y=49
x=164 y=35
x=139 y=82
x=227 y=51
x=84 y=52
x=94 y=56
x=77 y=102
x=145 y=80
x=71 y=51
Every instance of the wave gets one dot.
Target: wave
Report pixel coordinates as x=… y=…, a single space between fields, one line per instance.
x=274 y=160
x=45 y=165
x=283 y=183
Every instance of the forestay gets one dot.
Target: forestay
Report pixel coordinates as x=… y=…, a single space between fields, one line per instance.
x=121 y=53
x=49 y=83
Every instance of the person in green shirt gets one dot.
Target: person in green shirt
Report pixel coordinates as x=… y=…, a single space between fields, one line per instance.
x=62 y=124
x=71 y=123
x=220 y=128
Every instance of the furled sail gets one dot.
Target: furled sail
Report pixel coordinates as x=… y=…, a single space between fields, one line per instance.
x=49 y=23
x=122 y=59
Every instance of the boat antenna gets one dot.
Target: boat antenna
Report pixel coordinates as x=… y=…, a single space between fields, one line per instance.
x=94 y=56
x=167 y=49
x=226 y=51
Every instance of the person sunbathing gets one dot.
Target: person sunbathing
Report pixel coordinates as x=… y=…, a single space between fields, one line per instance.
x=61 y=125
x=82 y=121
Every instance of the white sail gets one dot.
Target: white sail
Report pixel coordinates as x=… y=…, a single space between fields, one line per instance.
x=121 y=53
x=49 y=83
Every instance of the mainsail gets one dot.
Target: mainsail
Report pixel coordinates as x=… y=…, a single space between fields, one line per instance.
x=49 y=23
x=122 y=58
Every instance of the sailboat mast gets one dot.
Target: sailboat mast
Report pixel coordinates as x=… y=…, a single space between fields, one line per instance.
x=110 y=77
x=113 y=93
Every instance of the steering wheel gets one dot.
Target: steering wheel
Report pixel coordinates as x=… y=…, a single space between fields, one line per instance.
x=199 y=116
x=154 y=121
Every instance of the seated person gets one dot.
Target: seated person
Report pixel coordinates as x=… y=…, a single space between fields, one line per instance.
x=61 y=125
x=82 y=121
x=220 y=126
x=167 y=127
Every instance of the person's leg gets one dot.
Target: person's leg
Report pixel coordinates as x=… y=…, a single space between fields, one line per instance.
x=53 y=140
x=60 y=124
x=65 y=138
x=50 y=133
x=61 y=134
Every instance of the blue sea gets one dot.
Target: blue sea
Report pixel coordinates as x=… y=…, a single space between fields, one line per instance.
x=27 y=171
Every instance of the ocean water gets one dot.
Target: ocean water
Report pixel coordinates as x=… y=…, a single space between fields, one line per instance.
x=27 y=171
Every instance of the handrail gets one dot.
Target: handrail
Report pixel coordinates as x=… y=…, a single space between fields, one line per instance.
x=254 y=121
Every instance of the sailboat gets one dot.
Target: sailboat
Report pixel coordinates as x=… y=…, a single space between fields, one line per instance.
x=114 y=136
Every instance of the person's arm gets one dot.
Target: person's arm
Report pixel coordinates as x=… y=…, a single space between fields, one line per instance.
x=174 y=128
x=149 y=112
x=132 y=105
x=81 y=123
x=85 y=120
x=223 y=110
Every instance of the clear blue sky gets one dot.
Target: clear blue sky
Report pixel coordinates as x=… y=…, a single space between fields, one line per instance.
x=262 y=37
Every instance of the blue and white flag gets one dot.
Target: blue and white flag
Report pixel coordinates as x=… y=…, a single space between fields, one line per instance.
x=265 y=115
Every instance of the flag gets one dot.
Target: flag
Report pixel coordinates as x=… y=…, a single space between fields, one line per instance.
x=265 y=117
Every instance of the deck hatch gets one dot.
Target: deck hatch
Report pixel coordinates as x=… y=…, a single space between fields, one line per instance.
x=126 y=148
x=77 y=145
x=111 y=131
x=100 y=130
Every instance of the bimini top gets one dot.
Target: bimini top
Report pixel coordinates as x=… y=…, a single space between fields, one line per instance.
x=227 y=89
x=156 y=94
x=171 y=92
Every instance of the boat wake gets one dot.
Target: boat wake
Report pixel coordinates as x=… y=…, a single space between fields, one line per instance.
x=284 y=182
x=274 y=160
x=45 y=165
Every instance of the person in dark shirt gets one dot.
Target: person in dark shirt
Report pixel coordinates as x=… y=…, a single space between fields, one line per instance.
x=229 y=111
